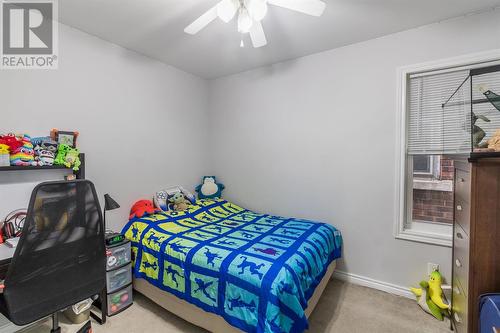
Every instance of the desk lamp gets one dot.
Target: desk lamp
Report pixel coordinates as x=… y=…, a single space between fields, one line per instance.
x=109 y=204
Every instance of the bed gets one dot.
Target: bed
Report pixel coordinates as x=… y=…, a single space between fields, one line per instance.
x=228 y=269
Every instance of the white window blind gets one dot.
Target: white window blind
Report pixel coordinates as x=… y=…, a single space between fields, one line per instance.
x=433 y=129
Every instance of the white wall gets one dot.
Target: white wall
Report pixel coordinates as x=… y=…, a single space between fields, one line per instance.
x=315 y=138
x=142 y=124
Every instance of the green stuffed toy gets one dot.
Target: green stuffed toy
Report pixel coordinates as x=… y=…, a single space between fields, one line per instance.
x=179 y=202
x=67 y=156
x=62 y=149
x=72 y=159
x=430 y=296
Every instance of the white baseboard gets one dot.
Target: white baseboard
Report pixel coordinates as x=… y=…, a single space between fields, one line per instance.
x=371 y=283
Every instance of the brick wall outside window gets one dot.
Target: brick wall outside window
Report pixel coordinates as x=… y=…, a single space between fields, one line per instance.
x=432 y=205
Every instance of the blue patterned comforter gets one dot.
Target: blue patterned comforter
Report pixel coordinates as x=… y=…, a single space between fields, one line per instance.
x=256 y=271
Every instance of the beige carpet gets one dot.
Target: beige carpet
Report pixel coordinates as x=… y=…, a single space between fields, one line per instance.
x=342 y=308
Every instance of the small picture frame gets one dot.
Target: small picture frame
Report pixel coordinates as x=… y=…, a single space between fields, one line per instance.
x=64 y=137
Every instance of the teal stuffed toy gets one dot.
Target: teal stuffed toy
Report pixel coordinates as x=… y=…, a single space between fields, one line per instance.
x=209 y=189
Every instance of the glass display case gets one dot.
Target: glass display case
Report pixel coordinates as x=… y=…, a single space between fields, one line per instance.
x=473 y=112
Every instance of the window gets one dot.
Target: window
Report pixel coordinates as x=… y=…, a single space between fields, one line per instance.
x=429 y=134
x=423 y=165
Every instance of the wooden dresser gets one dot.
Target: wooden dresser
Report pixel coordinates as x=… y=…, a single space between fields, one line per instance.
x=476 y=238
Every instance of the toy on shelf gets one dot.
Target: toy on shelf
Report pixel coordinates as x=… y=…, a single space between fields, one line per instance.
x=24 y=155
x=178 y=202
x=62 y=149
x=430 y=296
x=45 y=157
x=45 y=150
x=4 y=155
x=72 y=159
x=142 y=208
x=209 y=189
x=11 y=141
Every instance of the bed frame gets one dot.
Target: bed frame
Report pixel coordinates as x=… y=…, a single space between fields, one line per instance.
x=207 y=320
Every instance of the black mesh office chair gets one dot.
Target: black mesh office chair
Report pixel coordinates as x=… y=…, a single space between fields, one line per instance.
x=60 y=258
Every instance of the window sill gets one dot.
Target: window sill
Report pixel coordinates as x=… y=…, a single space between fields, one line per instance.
x=439 y=234
x=433 y=185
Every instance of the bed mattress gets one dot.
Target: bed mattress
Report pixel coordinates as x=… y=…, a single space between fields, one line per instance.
x=255 y=270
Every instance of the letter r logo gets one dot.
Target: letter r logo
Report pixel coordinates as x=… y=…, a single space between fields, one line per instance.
x=27 y=28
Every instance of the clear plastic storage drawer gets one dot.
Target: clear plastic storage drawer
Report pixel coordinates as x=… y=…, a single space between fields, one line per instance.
x=118 y=278
x=117 y=256
x=119 y=300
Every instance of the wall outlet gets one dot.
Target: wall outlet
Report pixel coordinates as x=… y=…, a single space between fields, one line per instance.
x=431 y=267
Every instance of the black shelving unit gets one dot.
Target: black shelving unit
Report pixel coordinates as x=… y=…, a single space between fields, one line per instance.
x=80 y=174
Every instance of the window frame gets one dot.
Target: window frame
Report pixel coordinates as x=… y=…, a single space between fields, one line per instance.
x=434 y=161
x=419 y=231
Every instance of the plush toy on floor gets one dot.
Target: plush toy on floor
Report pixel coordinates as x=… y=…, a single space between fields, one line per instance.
x=209 y=189
x=430 y=296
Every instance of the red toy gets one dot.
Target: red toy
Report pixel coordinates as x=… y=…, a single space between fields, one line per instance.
x=141 y=208
x=11 y=140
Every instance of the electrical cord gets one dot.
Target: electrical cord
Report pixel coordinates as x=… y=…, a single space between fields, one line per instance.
x=13 y=223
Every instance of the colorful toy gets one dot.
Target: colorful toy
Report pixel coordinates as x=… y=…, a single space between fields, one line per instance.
x=4 y=155
x=72 y=159
x=179 y=202
x=430 y=296
x=23 y=155
x=209 y=189
x=4 y=149
x=161 y=200
x=62 y=149
x=142 y=208
x=50 y=145
x=45 y=157
x=11 y=141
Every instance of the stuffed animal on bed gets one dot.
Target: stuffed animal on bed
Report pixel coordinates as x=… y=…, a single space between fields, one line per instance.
x=209 y=189
x=142 y=208
x=179 y=202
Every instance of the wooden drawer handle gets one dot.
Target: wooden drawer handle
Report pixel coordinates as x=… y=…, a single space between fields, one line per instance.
x=462 y=180
x=459 y=207
x=456 y=290
x=458 y=263
x=457 y=317
x=459 y=235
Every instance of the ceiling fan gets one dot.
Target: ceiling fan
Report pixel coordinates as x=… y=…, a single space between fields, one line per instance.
x=250 y=14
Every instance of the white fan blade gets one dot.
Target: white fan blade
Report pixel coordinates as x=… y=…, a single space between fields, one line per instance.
x=309 y=7
x=226 y=9
x=202 y=21
x=257 y=35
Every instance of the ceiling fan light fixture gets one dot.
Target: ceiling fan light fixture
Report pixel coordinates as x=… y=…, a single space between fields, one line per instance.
x=244 y=21
x=257 y=9
x=226 y=9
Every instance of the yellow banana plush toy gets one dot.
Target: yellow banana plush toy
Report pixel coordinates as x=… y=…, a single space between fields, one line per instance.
x=430 y=296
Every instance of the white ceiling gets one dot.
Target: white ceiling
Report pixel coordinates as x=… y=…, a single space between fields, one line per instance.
x=155 y=28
